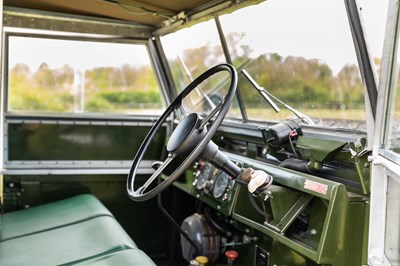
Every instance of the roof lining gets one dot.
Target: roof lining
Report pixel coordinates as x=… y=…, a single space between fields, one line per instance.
x=204 y=10
x=54 y=21
x=197 y=15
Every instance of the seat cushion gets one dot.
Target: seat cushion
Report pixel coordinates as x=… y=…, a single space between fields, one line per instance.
x=51 y=215
x=121 y=258
x=75 y=243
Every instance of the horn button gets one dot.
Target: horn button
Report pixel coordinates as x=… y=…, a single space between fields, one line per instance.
x=186 y=135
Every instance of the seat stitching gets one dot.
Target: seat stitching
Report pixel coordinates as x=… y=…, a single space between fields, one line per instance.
x=57 y=227
x=99 y=255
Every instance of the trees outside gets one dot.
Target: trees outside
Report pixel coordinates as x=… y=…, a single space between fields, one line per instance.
x=306 y=84
x=300 y=82
x=43 y=90
x=107 y=89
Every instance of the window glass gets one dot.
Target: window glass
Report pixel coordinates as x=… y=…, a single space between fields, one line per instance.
x=374 y=14
x=67 y=76
x=192 y=51
x=301 y=52
x=393 y=116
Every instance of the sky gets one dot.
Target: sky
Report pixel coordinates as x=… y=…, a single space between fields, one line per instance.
x=374 y=18
x=298 y=20
x=79 y=54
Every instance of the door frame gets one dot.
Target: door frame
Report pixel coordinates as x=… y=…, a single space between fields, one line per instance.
x=385 y=164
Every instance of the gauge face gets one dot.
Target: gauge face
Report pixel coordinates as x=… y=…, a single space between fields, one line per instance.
x=220 y=185
x=203 y=177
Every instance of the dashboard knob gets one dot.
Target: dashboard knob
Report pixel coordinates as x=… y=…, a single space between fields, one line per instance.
x=208 y=185
x=246 y=174
x=202 y=260
x=231 y=255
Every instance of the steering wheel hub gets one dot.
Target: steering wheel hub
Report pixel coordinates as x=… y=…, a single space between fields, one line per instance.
x=186 y=135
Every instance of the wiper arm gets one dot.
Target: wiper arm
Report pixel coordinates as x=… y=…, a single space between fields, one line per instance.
x=304 y=118
x=198 y=90
x=261 y=90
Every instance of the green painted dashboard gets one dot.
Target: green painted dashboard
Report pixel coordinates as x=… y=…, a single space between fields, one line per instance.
x=315 y=218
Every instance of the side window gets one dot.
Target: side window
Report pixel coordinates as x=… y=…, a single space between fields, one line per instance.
x=392 y=141
x=390 y=145
x=47 y=75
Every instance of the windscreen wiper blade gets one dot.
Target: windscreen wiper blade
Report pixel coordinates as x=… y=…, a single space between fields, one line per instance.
x=199 y=91
x=267 y=96
x=261 y=90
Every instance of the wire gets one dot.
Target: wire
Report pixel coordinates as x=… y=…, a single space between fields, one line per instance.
x=258 y=209
x=219 y=228
x=175 y=224
x=293 y=149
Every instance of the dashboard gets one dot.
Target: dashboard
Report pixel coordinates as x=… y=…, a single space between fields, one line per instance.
x=309 y=213
x=305 y=213
x=214 y=182
x=213 y=186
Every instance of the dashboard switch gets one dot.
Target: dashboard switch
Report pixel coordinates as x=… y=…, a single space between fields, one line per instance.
x=231 y=255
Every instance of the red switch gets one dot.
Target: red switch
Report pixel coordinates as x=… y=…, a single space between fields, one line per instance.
x=231 y=255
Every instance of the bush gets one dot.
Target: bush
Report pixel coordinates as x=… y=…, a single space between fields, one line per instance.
x=128 y=97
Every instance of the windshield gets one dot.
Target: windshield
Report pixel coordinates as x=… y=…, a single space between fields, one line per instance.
x=303 y=56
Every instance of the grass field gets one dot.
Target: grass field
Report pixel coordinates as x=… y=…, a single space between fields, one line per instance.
x=335 y=114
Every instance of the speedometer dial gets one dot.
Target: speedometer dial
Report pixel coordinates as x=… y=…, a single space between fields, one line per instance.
x=221 y=185
x=204 y=176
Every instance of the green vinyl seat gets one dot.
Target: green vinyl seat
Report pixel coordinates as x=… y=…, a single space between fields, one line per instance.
x=79 y=230
x=51 y=215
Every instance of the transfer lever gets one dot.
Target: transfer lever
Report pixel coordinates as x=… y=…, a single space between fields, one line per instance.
x=257 y=180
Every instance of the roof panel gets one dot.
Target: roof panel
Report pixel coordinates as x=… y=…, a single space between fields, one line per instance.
x=149 y=12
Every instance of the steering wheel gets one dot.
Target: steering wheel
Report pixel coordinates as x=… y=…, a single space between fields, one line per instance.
x=190 y=139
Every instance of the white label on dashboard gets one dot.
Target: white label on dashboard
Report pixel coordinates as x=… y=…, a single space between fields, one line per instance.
x=316 y=187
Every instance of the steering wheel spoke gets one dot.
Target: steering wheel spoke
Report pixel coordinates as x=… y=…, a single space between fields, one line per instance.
x=181 y=112
x=206 y=119
x=157 y=173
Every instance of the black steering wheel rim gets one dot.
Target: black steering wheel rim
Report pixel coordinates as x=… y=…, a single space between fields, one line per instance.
x=141 y=194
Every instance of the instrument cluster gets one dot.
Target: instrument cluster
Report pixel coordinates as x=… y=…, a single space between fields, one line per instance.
x=212 y=181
